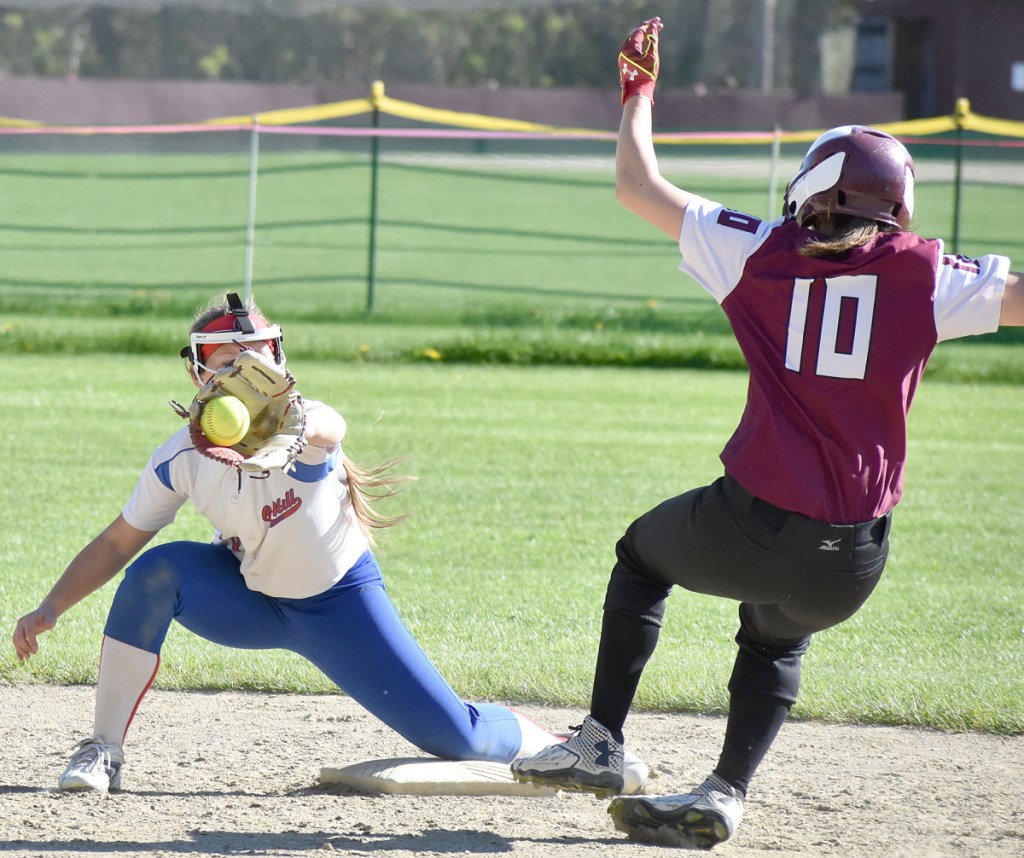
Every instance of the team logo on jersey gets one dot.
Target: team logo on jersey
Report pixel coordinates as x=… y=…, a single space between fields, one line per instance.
x=276 y=512
x=963 y=262
x=829 y=545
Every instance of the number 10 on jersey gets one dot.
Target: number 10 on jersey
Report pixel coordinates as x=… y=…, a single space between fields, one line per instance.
x=839 y=356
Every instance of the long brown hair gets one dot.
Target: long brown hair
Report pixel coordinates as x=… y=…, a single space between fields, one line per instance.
x=839 y=233
x=369 y=485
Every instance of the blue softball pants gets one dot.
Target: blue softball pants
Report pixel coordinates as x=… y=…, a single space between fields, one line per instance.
x=351 y=632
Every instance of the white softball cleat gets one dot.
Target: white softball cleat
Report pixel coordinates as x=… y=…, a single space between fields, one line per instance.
x=95 y=765
x=704 y=817
x=590 y=760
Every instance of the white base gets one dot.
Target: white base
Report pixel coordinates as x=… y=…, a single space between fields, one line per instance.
x=429 y=776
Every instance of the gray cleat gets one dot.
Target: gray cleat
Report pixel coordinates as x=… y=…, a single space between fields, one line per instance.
x=704 y=817
x=590 y=760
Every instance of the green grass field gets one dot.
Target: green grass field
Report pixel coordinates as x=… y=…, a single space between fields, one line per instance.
x=480 y=259
x=526 y=479
x=536 y=355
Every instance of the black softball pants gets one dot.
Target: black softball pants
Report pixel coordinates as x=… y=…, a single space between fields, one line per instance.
x=792 y=575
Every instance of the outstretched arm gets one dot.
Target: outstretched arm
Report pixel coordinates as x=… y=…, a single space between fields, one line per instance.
x=93 y=567
x=639 y=185
x=1012 y=312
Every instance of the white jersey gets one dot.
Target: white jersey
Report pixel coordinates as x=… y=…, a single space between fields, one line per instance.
x=282 y=554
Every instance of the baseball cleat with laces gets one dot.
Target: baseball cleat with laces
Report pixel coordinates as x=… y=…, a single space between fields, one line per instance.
x=704 y=817
x=95 y=765
x=590 y=760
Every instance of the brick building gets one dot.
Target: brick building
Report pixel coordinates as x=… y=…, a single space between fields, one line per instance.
x=936 y=51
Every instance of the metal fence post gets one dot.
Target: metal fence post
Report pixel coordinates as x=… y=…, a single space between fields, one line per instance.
x=376 y=95
x=773 y=177
x=250 y=218
x=960 y=112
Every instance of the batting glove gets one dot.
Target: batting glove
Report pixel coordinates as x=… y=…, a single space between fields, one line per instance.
x=638 y=61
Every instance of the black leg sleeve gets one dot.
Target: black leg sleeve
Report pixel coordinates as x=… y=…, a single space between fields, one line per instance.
x=763 y=687
x=633 y=611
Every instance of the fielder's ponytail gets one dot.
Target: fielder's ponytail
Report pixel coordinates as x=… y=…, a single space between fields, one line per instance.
x=366 y=486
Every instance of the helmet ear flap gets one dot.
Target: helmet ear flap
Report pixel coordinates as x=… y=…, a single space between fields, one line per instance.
x=788 y=206
x=815 y=187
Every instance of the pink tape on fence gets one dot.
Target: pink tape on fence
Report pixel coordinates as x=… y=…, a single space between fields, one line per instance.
x=125 y=129
x=1003 y=144
x=741 y=137
x=406 y=133
x=435 y=133
x=423 y=133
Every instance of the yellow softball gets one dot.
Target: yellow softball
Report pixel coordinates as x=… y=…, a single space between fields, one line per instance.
x=224 y=420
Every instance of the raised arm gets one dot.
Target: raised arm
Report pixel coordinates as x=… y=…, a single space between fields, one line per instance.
x=639 y=185
x=1012 y=312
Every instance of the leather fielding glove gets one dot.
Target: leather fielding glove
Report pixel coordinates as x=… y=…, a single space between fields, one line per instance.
x=277 y=415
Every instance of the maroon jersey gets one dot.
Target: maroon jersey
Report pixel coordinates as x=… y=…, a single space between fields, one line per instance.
x=836 y=350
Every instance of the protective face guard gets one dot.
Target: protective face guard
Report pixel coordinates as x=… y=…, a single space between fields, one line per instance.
x=198 y=339
x=242 y=332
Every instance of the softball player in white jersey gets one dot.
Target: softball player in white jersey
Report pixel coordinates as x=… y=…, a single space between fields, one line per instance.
x=837 y=307
x=290 y=567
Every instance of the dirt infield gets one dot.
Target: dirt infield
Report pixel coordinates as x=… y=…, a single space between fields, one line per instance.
x=237 y=774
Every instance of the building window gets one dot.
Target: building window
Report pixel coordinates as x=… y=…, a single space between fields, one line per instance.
x=872 y=70
x=1017 y=77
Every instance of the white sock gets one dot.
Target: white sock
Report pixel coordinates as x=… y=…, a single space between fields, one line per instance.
x=535 y=738
x=126 y=672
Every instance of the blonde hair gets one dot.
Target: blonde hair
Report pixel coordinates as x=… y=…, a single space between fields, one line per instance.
x=841 y=233
x=367 y=486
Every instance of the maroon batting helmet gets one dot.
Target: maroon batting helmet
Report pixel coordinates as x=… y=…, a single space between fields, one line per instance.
x=854 y=170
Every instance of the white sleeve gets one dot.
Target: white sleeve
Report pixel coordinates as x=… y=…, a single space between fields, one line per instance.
x=968 y=294
x=155 y=501
x=716 y=242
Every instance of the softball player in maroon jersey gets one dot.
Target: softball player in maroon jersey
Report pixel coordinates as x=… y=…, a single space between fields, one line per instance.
x=837 y=308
